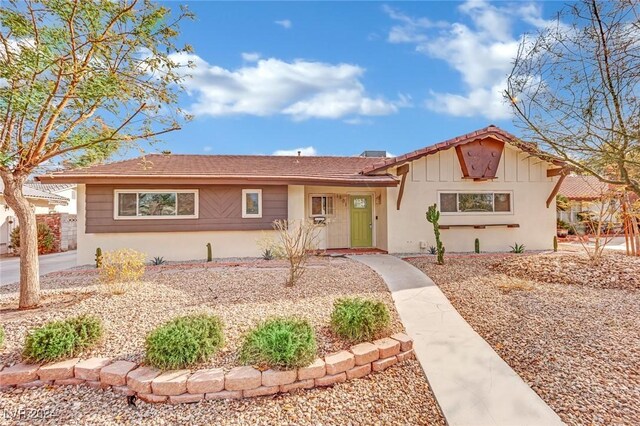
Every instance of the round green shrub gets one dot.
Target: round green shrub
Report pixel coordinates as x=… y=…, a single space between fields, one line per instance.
x=358 y=320
x=62 y=339
x=280 y=343
x=88 y=330
x=1 y=336
x=184 y=341
x=54 y=341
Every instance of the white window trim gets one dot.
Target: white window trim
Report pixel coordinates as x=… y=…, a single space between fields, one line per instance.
x=321 y=195
x=246 y=215
x=167 y=217
x=456 y=191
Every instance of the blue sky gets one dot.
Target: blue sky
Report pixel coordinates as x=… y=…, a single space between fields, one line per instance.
x=336 y=78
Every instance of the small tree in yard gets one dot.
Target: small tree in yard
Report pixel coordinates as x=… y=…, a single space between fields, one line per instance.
x=296 y=239
x=574 y=89
x=78 y=81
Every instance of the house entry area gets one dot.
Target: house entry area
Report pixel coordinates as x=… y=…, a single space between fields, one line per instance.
x=347 y=220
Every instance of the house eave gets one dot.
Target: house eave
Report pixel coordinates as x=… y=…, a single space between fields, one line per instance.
x=358 y=181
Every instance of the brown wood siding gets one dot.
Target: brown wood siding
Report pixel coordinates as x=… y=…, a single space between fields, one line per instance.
x=220 y=209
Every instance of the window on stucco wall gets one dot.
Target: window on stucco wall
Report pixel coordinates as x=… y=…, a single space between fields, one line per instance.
x=475 y=202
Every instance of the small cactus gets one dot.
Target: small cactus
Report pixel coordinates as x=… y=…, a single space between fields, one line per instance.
x=555 y=243
x=209 y=255
x=98 y=257
x=433 y=215
x=477 y=248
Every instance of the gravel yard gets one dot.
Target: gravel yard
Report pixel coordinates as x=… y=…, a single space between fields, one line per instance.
x=241 y=295
x=574 y=342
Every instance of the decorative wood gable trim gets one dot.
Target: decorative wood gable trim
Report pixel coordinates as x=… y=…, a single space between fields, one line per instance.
x=401 y=171
x=479 y=160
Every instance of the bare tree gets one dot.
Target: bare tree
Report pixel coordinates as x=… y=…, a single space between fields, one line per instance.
x=78 y=80
x=601 y=224
x=297 y=239
x=574 y=89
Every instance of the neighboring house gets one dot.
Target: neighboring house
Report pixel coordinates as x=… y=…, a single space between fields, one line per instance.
x=486 y=185
x=38 y=199
x=66 y=190
x=585 y=194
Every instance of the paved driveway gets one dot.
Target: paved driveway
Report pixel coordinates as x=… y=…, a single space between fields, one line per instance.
x=10 y=267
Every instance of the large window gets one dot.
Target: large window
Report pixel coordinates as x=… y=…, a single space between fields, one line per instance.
x=252 y=203
x=475 y=202
x=156 y=204
x=321 y=205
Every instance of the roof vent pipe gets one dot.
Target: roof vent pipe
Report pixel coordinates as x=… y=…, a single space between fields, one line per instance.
x=299 y=152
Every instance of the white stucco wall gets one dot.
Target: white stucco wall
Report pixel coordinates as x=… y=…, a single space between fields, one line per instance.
x=518 y=173
x=170 y=245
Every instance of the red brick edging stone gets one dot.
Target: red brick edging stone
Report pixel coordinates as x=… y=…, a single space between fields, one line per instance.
x=183 y=386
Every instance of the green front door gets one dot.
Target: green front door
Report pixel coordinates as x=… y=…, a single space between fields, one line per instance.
x=361 y=222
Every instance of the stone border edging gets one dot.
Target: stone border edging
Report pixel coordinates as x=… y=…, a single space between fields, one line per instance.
x=182 y=386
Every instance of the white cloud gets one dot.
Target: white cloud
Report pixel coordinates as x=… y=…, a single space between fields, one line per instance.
x=356 y=121
x=284 y=23
x=409 y=29
x=207 y=148
x=307 y=151
x=250 y=56
x=299 y=89
x=481 y=51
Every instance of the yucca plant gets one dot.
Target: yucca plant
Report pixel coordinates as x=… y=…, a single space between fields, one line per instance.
x=517 y=248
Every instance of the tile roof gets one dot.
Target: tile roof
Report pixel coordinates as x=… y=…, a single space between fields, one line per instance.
x=583 y=188
x=279 y=168
x=37 y=194
x=49 y=187
x=490 y=131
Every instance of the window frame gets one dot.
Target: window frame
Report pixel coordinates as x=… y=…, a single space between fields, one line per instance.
x=327 y=196
x=116 y=204
x=246 y=215
x=493 y=213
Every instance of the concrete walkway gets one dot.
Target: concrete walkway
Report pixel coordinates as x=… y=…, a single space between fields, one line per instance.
x=471 y=383
x=10 y=266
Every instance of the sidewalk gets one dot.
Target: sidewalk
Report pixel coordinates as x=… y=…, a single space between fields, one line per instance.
x=471 y=383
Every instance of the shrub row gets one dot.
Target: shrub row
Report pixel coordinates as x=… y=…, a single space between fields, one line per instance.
x=283 y=342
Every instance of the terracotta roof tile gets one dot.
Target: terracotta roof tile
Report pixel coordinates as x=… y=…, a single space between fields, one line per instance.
x=583 y=188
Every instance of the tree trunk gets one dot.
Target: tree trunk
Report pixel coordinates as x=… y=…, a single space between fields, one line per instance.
x=29 y=264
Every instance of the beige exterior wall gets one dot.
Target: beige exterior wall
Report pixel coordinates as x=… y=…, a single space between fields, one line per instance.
x=518 y=173
x=336 y=233
x=170 y=245
x=71 y=207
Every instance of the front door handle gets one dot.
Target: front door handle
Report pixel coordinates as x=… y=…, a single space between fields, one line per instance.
x=370 y=226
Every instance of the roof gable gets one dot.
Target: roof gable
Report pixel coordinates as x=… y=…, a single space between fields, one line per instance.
x=490 y=132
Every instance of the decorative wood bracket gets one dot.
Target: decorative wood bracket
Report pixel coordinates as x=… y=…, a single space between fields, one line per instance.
x=563 y=172
x=401 y=171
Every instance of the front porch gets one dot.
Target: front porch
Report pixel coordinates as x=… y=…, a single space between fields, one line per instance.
x=351 y=219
